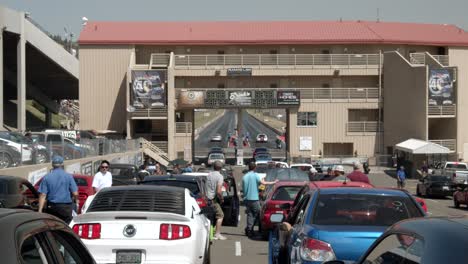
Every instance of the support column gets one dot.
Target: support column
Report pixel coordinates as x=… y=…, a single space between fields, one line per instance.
x=171 y=150
x=1 y=79
x=21 y=77
x=48 y=118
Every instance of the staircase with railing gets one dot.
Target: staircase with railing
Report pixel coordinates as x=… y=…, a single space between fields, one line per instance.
x=154 y=152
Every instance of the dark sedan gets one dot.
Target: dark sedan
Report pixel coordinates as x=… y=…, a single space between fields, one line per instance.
x=435 y=185
x=420 y=241
x=29 y=237
x=124 y=174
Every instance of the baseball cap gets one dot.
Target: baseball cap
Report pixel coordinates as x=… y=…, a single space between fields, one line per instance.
x=57 y=160
x=339 y=168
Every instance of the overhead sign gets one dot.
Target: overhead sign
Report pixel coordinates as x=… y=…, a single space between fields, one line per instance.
x=240 y=98
x=191 y=99
x=148 y=88
x=441 y=88
x=288 y=98
x=239 y=72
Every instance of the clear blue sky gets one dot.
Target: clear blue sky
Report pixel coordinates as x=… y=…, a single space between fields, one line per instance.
x=54 y=15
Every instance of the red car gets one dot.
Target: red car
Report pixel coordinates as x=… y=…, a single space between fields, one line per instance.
x=290 y=192
x=85 y=188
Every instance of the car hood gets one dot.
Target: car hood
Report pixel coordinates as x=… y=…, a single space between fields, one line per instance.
x=348 y=242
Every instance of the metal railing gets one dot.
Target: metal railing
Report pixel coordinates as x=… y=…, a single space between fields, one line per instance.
x=442 y=110
x=161 y=144
x=339 y=93
x=366 y=126
x=419 y=58
x=149 y=113
x=278 y=60
x=183 y=127
x=451 y=144
x=160 y=59
x=154 y=151
x=19 y=154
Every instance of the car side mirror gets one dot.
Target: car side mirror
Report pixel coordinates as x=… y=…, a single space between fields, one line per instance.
x=285 y=206
x=276 y=218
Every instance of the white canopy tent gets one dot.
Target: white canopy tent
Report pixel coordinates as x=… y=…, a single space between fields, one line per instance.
x=417 y=146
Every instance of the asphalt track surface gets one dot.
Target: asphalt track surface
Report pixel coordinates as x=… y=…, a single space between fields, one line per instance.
x=227 y=123
x=240 y=249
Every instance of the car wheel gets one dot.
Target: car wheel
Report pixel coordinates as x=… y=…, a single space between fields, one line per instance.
x=5 y=160
x=456 y=203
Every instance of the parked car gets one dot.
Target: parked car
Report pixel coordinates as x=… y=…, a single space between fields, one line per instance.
x=258 y=150
x=281 y=193
x=17 y=192
x=124 y=174
x=216 y=150
x=457 y=170
x=29 y=237
x=85 y=188
x=195 y=182
x=57 y=144
x=216 y=138
x=266 y=157
x=144 y=224
x=9 y=156
x=340 y=223
x=435 y=185
x=420 y=241
x=20 y=144
x=216 y=157
x=286 y=174
x=262 y=138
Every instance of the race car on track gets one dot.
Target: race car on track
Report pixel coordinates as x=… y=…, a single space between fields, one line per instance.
x=262 y=138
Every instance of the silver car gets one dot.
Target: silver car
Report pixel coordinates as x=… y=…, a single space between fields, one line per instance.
x=216 y=138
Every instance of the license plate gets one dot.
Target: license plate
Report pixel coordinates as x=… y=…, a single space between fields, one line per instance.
x=445 y=188
x=128 y=257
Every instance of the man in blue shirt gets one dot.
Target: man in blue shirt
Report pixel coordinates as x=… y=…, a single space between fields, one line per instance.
x=250 y=183
x=401 y=177
x=57 y=187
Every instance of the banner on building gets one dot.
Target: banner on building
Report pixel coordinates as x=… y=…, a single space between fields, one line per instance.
x=240 y=98
x=191 y=99
x=148 y=89
x=441 y=88
x=288 y=98
x=239 y=72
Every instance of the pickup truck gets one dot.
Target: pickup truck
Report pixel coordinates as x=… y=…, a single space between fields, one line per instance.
x=457 y=170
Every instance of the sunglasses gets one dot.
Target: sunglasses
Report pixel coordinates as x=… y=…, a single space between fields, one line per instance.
x=104 y=167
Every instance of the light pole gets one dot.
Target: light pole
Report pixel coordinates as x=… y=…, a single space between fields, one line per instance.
x=68 y=38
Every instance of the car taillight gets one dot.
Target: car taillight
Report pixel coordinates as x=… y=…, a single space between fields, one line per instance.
x=316 y=250
x=88 y=231
x=201 y=202
x=82 y=196
x=173 y=231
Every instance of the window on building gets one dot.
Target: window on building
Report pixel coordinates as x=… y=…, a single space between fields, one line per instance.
x=363 y=115
x=307 y=119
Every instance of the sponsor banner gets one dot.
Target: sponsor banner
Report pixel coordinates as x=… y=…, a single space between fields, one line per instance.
x=240 y=98
x=288 y=98
x=191 y=99
x=441 y=88
x=148 y=88
x=87 y=168
x=36 y=175
x=239 y=72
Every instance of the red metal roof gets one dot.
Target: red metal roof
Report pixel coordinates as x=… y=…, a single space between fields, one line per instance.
x=272 y=32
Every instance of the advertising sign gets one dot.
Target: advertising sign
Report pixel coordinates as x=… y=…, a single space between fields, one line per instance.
x=305 y=143
x=191 y=99
x=239 y=72
x=73 y=168
x=441 y=89
x=87 y=168
x=148 y=88
x=288 y=98
x=36 y=175
x=240 y=98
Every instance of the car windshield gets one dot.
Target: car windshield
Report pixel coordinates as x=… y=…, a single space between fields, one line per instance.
x=258 y=150
x=439 y=178
x=302 y=168
x=263 y=156
x=216 y=156
x=285 y=174
x=286 y=193
x=122 y=172
x=261 y=168
x=361 y=209
x=192 y=186
x=456 y=166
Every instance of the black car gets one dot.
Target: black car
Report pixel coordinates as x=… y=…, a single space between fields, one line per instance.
x=124 y=174
x=216 y=150
x=17 y=192
x=420 y=241
x=29 y=237
x=9 y=156
x=436 y=185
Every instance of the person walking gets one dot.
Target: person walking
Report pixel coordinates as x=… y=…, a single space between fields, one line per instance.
x=250 y=183
x=103 y=178
x=357 y=174
x=188 y=168
x=56 y=188
x=214 y=194
x=401 y=177
x=424 y=169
